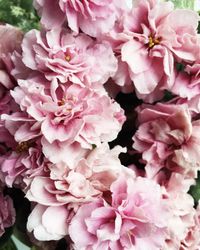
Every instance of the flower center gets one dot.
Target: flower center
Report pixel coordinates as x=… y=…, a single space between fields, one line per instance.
x=153 y=41
x=67 y=58
x=23 y=147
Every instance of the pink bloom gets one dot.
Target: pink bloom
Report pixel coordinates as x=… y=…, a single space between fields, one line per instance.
x=181 y=206
x=10 y=40
x=168 y=138
x=93 y=17
x=86 y=181
x=19 y=167
x=48 y=223
x=187 y=83
x=68 y=113
x=7 y=213
x=192 y=240
x=134 y=218
x=152 y=37
x=65 y=56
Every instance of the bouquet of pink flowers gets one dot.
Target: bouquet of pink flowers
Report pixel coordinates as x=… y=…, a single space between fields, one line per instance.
x=100 y=127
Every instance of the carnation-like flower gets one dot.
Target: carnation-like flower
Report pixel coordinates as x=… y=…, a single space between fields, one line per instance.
x=22 y=164
x=68 y=113
x=167 y=137
x=134 y=218
x=89 y=178
x=7 y=213
x=91 y=16
x=62 y=55
x=151 y=38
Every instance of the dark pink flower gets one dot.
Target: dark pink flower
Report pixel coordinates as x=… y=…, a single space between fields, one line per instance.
x=7 y=213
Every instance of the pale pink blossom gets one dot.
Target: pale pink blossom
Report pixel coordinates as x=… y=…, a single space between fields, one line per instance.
x=152 y=37
x=68 y=113
x=89 y=179
x=167 y=138
x=181 y=206
x=61 y=55
x=7 y=213
x=93 y=17
x=134 y=218
x=192 y=240
x=187 y=82
x=20 y=166
x=48 y=223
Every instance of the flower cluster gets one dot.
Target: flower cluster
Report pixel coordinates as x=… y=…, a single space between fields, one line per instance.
x=116 y=177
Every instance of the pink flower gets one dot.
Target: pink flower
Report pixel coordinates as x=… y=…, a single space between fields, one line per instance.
x=7 y=213
x=48 y=223
x=187 y=82
x=192 y=240
x=167 y=138
x=151 y=38
x=64 y=56
x=88 y=179
x=134 y=218
x=91 y=16
x=10 y=40
x=181 y=206
x=68 y=113
x=19 y=167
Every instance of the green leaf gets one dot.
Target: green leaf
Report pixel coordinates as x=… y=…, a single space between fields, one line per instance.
x=6 y=236
x=195 y=190
x=184 y=4
x=9 y=245
x=19 y=13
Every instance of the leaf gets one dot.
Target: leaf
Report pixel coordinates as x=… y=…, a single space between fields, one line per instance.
x=6 y=236
x=184 y=4
x=9 y=245
x=195 y=190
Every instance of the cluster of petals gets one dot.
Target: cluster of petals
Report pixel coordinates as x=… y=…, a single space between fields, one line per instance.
x=192 y=239
x=93 y=17
x=45 y=223
x=7 y=213
x=89 y=178
x=20 y=165
x=168 y=138
x=66 y=114
x=181 y=207
x=187 y=82
x=11 y=38
x=62 y=55
x=135 y=217
x=62 y=190
x=150 y=39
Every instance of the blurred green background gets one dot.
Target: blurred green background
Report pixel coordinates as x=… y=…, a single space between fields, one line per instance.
x=19 y=13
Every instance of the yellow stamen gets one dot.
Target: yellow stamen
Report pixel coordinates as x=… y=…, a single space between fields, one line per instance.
x=153 y=42
x=67 y=58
